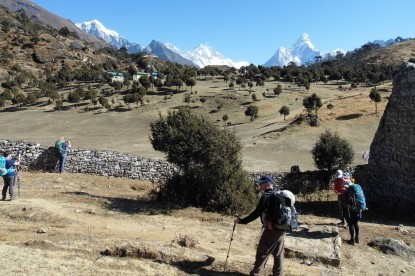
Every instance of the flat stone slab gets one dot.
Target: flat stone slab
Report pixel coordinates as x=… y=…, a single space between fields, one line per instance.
x=319 y=243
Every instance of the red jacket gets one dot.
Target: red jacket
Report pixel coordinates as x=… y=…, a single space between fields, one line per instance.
x=338 y=186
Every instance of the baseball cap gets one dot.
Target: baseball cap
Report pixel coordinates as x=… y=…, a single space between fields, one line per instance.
x=265 y=179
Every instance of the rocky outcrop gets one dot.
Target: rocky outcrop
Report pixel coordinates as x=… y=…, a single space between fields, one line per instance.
x=391 y=168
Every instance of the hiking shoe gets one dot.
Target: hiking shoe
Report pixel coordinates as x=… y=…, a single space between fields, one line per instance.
x=356 y=240
x=351 y=242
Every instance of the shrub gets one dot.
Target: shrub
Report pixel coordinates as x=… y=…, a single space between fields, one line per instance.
x=186 y=241
x=331 y=151
x=210 y=171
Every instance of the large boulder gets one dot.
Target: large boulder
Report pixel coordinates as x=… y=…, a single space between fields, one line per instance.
x=391 y=167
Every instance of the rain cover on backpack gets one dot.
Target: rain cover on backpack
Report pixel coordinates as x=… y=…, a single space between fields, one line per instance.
x=3 y=170
x=357 y=199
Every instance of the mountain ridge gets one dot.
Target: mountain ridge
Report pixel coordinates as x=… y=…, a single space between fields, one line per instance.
x=42 y=15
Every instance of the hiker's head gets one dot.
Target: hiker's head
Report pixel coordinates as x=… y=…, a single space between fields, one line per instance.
x=62 y=139
x=339 y=174
x=265 y=182
x=7 y=153
x=346 y=175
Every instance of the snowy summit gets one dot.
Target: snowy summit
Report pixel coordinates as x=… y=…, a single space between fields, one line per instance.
x=302 y=52
x=113 y=38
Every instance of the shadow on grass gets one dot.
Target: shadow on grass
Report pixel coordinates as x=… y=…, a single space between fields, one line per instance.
x=348 y=117
x=13 y=109
x=131 y=206
x=193 y=267
x=211 y=272
x=318 y=208
x=329 y=209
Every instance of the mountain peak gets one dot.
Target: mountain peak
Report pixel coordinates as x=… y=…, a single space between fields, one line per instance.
x=302 y=52
x=96 y=28
x=304 y=41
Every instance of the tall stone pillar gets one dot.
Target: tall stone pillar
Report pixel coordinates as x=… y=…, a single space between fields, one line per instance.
x=391 y=168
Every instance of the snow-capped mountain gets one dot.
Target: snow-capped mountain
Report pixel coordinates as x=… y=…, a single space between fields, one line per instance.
x=204 y=55
x=113 y=38
x=162 y=51
x=302 y=52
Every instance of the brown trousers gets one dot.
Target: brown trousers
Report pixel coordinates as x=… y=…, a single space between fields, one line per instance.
x=271 y=243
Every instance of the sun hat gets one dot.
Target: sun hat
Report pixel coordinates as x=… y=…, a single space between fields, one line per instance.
x=265 y=179
x=339 y=174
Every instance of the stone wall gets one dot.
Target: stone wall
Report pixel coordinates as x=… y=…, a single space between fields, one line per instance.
x=96 y=162
x=116 y=164
x=391 y=167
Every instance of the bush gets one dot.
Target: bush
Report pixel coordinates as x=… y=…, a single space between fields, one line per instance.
x=186 y=241
x=331 y=151
x=210 y=171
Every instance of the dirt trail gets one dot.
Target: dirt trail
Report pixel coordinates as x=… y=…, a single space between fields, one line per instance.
x=61 y=223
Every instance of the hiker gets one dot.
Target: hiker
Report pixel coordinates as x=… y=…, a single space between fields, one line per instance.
x=9 y=178
x=352 y=217
x=272 y=239
x=340 y=189
x=62 y=149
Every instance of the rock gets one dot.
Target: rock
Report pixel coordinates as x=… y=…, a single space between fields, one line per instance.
x=393 y=247
x=42 y=230
x=391 y=158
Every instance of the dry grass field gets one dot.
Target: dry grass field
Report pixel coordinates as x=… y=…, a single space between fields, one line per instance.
x=269 y=142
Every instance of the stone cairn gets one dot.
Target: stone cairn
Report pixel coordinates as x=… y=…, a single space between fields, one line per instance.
x=391 y=168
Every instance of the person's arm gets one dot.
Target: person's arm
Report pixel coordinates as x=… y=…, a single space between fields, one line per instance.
x=262 y=206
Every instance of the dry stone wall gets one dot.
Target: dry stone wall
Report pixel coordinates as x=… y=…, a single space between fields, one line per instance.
x=391 y=167
x=97 y=162
x=116 y=164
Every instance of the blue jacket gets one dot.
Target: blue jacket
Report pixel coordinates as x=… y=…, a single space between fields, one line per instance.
x=10 y=167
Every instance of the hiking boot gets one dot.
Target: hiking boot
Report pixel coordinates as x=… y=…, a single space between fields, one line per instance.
x=3 y=198
x=342 y=224
x=351 y=241
x=356 y=240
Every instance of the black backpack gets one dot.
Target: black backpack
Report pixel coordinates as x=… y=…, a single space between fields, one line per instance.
x=281 y=211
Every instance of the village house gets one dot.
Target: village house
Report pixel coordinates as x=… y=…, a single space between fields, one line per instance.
x=116 y=76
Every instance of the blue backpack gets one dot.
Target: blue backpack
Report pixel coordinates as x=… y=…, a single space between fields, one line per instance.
x=3 y=170
x=357 y=199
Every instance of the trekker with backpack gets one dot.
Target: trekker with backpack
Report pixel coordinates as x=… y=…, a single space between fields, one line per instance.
x=272 y=239
x=339 y=189
x=61 y=146
x=9 y=176
x=354 y=203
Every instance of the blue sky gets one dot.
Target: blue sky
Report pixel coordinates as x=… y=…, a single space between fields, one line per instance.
x=245 y=30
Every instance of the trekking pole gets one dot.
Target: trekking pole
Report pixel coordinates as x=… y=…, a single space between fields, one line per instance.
x=229 y=249
x=18 y=177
